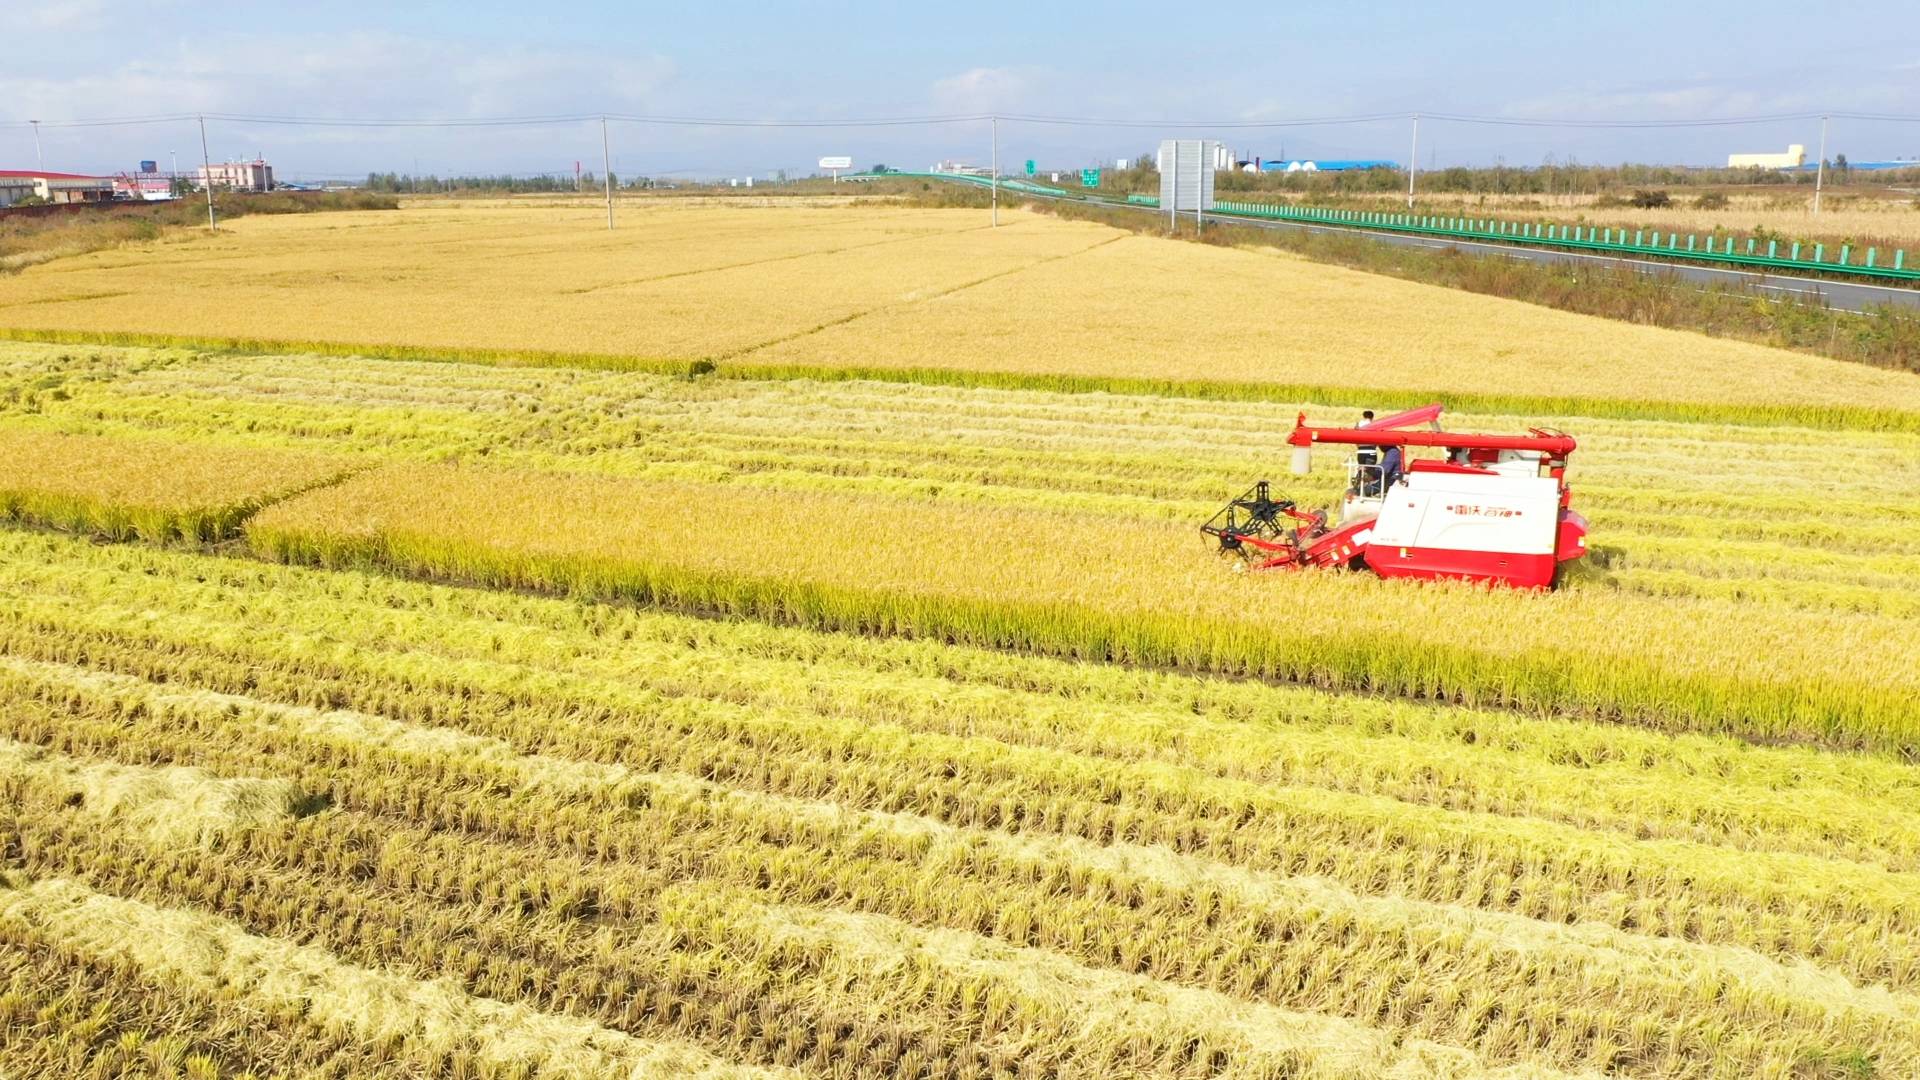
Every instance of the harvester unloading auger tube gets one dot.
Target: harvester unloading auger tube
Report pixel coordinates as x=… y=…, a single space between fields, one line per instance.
x=1495 y=508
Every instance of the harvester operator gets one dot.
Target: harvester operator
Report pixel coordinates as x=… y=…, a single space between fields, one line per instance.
x=1368 y=481
x=1390 y=466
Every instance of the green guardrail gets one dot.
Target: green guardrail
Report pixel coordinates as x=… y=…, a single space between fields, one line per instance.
x=1657 y=243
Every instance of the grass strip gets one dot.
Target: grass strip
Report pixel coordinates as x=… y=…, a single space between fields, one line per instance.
x=441 y=354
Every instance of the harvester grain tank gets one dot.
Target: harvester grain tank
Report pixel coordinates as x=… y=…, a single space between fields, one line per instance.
x=1494 y=508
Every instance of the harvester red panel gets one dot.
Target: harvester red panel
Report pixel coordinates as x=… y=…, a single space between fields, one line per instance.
x=1496 y=508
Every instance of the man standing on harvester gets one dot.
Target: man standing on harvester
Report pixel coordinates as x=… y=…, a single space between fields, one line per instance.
x=1367 y=481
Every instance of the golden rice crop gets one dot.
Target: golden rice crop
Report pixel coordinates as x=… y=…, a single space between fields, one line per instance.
x=153 y=489
x=1260 y=316
x=1132 y=470
x=1707 y=510
x=899 y=291
x=702 y=283
x=1069 y=585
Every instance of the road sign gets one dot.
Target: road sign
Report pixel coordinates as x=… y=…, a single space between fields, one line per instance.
x=836 y=162
x=1030 y=168
x=1186 y=173
x=1089 y=177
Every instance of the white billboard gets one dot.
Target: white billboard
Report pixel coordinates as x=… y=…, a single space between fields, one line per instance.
x=836 y=163
x=1186 y=174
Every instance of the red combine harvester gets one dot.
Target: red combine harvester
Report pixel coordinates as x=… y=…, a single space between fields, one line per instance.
x=1495 y=508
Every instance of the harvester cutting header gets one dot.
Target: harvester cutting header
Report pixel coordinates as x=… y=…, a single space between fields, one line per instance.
x=1495 y=508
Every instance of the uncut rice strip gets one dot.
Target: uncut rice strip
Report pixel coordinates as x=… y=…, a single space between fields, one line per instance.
x=213 y=955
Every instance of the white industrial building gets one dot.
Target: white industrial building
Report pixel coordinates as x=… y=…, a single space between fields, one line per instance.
x=255 y=175
x=1795 y=157
x=959 y=168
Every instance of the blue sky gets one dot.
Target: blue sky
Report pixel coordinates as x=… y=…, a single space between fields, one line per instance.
x=64 y=59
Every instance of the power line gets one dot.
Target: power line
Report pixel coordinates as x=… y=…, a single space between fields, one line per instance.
x=551 y=120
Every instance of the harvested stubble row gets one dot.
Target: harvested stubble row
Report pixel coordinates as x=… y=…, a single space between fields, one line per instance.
x=1173 y=923
x=1324 y=835
x=63 y=1014
x=1071 y=585
x=154 y=490
x=210 y=956
x=708 y=962
x=1636 y=782
x=601 y=766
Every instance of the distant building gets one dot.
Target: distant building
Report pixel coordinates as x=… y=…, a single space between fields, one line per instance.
x=1326 y=165
x=958 y=168
x=1870 y=166
x=54 y=187
x=146 y=186
x=15 y=187
x=1794 y=158
x=255 y=175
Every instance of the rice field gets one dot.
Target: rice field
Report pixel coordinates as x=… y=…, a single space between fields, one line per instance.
x=905 y=293
x=126 y=488
x=383 y=716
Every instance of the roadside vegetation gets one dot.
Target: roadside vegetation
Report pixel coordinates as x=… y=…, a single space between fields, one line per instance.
x=1885 y=336
x=27 y=239
x=1857 y=222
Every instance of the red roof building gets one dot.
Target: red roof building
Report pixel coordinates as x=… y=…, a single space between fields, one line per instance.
x=54 y=187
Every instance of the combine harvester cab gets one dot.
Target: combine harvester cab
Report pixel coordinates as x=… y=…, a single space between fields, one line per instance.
x=1495 y=508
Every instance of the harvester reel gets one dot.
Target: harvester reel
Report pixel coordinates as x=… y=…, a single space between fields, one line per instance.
x=1256 y=514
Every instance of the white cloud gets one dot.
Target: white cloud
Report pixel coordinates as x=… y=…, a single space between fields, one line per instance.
x=384 y=75
x=981 y=89
x=54 y=14
x=356 y=75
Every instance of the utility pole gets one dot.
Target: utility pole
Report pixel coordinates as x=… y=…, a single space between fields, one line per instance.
x=606 y=170
x=1820 y=170
x=206 y=175
x=994 y=165
x=40 y=160
x=1413 y=159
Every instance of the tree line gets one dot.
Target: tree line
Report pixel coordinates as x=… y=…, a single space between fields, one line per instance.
x=407 y=183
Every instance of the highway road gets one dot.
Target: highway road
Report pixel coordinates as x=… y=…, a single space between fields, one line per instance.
x=1841 y=295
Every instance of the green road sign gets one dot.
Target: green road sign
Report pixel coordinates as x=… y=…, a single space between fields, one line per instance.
x=1089 y=177
x=1030 y=169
